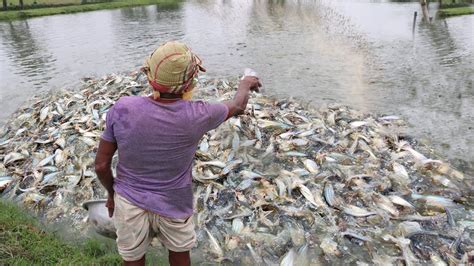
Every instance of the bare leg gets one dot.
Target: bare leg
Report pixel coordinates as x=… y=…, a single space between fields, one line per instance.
x=179 y=258
x=140 y=262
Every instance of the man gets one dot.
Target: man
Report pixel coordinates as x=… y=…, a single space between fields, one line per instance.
x=156 y=138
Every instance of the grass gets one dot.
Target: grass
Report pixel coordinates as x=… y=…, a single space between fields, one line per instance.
x=456 y=11
x=452 y=4
x=66 y=9
x=44 y=2
x=28 y=3
x=25 y=241
x=455 y=8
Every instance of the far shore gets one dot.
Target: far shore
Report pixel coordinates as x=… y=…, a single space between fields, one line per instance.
x=67 y=9
x=456 y=11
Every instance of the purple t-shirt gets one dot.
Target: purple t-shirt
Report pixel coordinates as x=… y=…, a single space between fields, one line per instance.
x=156 y=146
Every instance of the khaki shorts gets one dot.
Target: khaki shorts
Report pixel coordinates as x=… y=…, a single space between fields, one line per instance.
x=136 y=228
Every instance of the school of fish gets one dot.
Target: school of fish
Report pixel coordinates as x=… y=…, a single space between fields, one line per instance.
x=283 y=184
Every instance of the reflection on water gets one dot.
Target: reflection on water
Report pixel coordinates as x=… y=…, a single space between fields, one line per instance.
x=28 y=64
x=361 y=53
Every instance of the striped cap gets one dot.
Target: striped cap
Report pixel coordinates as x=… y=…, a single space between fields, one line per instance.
x=172 y=67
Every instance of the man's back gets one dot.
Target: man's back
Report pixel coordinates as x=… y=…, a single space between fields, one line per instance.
x=156 y=144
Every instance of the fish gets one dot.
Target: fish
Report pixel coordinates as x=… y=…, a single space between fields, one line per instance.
x=61 y=142
x=311 y=166
x=5 y=181
x=404 y=244
x=289 y=258
x=357 y=124
x=351 y=234
x=449 y=217
x=389 y=117
x=44 y=113
x=357 y=211
x=269 y=185
x=215 y=163
x=214 y=245
x=437 y=261
x=237 y=225
x=295 y=154
x=46 y=160
x=254 y=254
x=308 y=195
x=400 y=201
x=299 y=142
x=271 y=124
x=385 y=204
x=13 y=157
x=400 y=170
x=329 y=195
x=329 y=247
x=434 y=200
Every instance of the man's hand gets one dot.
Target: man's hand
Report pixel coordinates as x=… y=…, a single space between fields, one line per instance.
x=110 y=204
x=237 y=105
x=251 y=83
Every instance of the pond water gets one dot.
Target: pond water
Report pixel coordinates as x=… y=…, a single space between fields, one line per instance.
x=361 y=53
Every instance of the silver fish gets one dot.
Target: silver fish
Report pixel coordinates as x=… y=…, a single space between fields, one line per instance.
x=357 y=211
x=214 y=245
x=13 y=157
x=311 y=166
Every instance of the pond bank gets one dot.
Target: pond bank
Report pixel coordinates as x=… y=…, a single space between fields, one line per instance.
x=37 y=12
x=25 y=241
x=450 y=9
x=456 y=11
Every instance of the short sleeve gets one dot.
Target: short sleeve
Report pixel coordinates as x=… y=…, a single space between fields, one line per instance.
x=207 y=116
x=108 y=133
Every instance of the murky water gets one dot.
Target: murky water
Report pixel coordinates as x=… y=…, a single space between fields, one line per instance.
x=360 y=53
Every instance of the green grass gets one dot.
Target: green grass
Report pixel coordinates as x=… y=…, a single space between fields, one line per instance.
x=457 y=11
x=36 y=12
x=44 y=2
x=452 y=4
x=24 y=241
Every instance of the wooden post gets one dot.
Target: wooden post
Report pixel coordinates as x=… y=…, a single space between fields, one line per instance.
x=424 y=10
x=414 y=21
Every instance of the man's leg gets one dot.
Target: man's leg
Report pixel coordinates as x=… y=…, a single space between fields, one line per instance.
x=179 y=258
x=178 y=236
x=133 y=231
x=140 y=262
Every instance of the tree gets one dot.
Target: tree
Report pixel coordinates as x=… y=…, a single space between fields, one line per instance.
x=5 y=5
x=21 y=4
x=424 y=10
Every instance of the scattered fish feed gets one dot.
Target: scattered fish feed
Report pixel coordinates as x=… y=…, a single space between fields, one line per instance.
x=285 y=183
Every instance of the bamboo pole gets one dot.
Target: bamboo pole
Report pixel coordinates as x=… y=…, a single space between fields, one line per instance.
x=414 y=22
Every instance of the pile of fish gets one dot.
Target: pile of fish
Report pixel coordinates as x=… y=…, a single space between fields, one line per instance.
x=282 y=184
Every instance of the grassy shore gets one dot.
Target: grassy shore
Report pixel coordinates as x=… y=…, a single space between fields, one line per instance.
x=456 y=11
x=457 y=8
x=24 y=241
x=54 y=10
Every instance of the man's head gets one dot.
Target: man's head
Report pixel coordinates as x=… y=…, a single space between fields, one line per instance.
x=172 y=69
